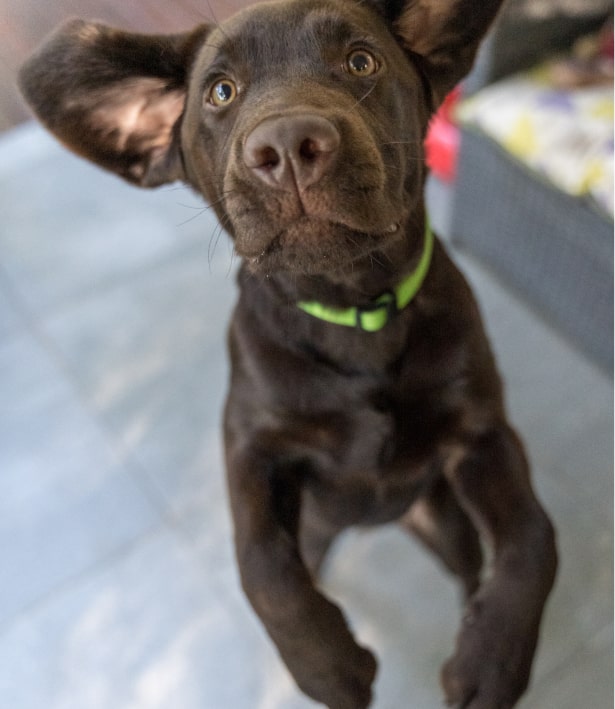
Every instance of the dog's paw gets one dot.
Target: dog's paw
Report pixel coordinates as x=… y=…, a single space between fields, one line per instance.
x=491 y=665
x=346 y=683
x=354 y=681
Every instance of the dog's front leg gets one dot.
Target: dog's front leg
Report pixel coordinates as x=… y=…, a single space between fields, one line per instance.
x=491 y=665
x=309 y=631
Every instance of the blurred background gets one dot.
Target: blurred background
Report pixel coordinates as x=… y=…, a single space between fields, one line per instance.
x=119 y=587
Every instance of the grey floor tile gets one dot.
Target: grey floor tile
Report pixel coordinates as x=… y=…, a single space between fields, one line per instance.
x=154 y=630
x=79 y=239
x=67 y=498
x=149 y=358
x=203 y=515
x=582 y=601
x=10 y=318
x=403 y=606
x=586 y=680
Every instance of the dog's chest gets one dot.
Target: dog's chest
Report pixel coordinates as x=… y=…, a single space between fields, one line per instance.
x=380 y=436
x=363 y=470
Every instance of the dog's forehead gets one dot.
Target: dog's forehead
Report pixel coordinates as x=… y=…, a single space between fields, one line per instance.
x=283 y=32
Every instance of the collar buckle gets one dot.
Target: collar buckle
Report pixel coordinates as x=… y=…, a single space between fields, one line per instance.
x=373 y=317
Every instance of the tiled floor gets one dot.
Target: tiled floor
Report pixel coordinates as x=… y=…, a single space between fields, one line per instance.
x=118 y=586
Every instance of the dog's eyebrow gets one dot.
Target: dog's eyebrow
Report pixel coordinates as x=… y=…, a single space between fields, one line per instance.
x=330 y=28
x=316 y=34
x=336 y=30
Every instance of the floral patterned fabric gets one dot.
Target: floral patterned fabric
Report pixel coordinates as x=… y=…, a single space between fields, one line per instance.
x=564 y=135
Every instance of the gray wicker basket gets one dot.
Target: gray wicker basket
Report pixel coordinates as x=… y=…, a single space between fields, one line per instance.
x=555 y=249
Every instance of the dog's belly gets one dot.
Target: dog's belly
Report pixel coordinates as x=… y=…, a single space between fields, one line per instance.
x=368 y=466
x=376 y=480
x=366 y=497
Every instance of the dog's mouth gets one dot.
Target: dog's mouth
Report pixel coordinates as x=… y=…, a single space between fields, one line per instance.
x=312 y=246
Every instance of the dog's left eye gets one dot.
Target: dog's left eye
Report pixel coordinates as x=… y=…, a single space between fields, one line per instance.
x=223 y=92
x=361 y=63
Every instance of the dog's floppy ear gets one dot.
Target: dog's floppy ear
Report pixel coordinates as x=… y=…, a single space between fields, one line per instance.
x=443 y=35
x=114 y=97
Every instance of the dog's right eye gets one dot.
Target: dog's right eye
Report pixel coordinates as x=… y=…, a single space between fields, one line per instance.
x=361 y=63
x=223 y=93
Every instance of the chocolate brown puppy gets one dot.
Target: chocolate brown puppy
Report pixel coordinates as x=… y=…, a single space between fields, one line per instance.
x=363 y=387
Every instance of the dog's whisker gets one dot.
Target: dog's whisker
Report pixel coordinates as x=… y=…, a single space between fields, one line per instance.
x=200 y=210
x=232 y=259
x=376 y=260
x=364 y=97
x=401 y=142
x=214 y=239
x=213 y=242
x=208 y=205
x=193 y=217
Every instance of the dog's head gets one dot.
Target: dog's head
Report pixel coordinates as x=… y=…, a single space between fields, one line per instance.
x=301 y=121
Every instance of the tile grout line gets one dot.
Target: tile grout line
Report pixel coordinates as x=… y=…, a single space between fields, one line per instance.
x=32 y=324
x=558 y=671
x=63 y=586
x=113 y=282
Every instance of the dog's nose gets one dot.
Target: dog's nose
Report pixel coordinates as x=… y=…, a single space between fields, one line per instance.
x=291 y=152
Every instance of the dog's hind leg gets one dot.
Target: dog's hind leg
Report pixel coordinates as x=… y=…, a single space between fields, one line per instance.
x=438 y=521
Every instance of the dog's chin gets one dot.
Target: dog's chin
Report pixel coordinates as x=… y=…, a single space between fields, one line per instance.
x=313 y=247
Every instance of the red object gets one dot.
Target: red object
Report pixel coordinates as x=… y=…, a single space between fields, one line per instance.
x=606 y=42
x=442 y=141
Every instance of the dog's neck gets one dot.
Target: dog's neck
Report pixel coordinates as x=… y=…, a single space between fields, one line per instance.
x=358 y=283
x=269 y=305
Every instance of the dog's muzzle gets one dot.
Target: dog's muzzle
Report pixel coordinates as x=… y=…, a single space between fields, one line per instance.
x=292 y=152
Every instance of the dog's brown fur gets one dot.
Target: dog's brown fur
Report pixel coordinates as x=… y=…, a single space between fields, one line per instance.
x=328 y=426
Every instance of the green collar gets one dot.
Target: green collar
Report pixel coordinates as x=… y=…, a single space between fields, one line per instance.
x=380 y=311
